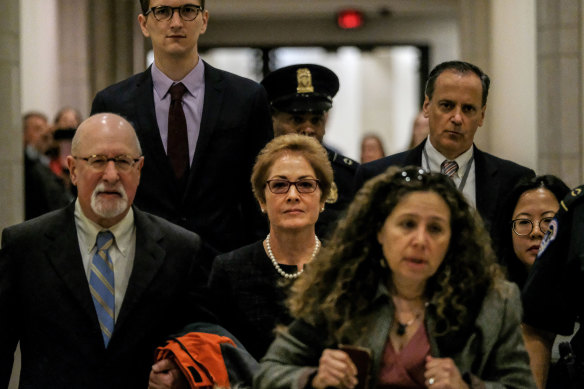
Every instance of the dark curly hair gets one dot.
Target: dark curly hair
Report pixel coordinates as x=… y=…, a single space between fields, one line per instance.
x=338 y=287
x=516 y=270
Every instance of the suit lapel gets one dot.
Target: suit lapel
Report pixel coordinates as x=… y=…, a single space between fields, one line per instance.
x=147 y=261
x=487 y=186
x=212 y=103
x=144 y=112
x=414 y=157
x=64 y=253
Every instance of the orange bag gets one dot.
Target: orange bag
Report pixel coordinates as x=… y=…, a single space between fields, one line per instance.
x=199 y=357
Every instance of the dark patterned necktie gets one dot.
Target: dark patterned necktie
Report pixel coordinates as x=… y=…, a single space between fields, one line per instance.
x=178 y=143
x=449 y=168
x=101 y=284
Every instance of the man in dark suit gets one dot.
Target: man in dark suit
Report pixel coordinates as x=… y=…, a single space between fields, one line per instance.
x=455 y=105
x=300 y=97
x=227 y=124
x=44 y=191
x=87 y=314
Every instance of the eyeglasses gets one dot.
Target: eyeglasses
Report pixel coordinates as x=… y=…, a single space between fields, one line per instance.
x=307 y=185
x=187 y=12
x=524 y=227
x=99 y=162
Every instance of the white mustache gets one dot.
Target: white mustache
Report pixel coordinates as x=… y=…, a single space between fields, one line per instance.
x=101 y=187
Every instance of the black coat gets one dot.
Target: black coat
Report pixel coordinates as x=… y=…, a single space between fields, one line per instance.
x=217 y=203
x=45 y=303
x=249 y=296
x=494 y=177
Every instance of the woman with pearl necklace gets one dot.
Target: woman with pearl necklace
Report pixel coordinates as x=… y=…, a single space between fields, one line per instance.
x=291 y=180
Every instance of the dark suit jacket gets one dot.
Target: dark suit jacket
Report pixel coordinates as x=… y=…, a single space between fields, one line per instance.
x=43 y=190
x=45 y=303
x=248 y=296
x=218 y=203
x=494 y=177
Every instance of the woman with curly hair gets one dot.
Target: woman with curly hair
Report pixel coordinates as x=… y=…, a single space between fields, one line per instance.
x=409 y=276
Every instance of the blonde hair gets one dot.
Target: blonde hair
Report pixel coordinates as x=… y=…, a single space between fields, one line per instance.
x=306 y=146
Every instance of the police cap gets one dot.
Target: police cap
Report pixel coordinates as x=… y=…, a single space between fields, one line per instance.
x=301 y=88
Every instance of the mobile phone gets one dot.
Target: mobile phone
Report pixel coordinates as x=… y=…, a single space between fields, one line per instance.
x=361 y=357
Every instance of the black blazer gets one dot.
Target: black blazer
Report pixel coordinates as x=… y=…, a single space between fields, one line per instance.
x=494 y=177
x=249 y=296
x=218 y=203
x=45 y=303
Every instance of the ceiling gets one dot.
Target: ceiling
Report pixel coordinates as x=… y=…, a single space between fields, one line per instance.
x=318 y=8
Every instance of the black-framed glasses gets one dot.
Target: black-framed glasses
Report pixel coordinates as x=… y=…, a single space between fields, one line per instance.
x=99 y=162
x=280 y=186
x=187 y=12
x=524 y=227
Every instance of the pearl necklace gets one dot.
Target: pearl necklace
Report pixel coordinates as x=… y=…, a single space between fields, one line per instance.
x=277 y=266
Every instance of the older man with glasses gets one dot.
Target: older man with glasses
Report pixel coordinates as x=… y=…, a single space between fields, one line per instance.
x=197 y=125
x=92 y=289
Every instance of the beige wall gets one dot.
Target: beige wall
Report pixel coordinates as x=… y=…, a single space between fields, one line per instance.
x=513 y=103
x=560 y=68
x=39 y=44
x=11 y=168
x=11 y=163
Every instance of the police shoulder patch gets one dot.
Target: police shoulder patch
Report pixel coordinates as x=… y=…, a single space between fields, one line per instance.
x=550 y=236
x=349 y=162
x=575 y=196
x=341 y=160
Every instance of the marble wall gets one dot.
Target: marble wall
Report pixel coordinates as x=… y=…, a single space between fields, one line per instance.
x=11 y=156
x=560 y=66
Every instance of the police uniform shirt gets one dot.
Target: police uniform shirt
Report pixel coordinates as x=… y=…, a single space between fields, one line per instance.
x=344 y=170
x=553 y=296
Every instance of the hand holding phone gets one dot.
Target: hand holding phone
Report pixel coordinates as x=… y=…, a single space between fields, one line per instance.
x=361 y=357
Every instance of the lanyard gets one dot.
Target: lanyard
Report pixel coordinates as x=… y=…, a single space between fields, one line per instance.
x=464 y=176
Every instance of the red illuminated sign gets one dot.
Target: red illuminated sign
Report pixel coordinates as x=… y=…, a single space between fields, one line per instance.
x=349 y=19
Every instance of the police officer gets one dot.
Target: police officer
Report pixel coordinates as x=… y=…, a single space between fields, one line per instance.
x=553 y=296
x=300 y=97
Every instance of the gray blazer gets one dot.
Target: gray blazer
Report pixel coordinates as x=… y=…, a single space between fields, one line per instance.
x=493 y=355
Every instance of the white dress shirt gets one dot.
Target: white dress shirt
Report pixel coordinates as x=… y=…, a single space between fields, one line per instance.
x=122 y=251
x=432 y=160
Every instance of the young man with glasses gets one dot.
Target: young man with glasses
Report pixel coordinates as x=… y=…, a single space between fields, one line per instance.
x=200 y=128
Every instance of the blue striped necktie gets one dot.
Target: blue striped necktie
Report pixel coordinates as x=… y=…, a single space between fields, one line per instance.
x=449 y=168
x=101 y=284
